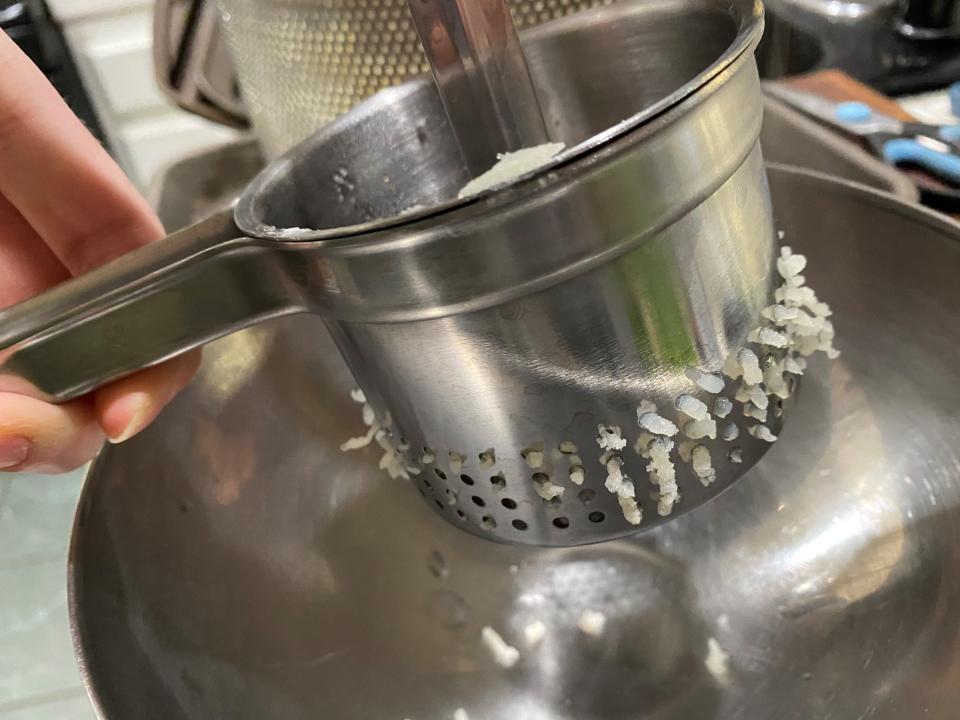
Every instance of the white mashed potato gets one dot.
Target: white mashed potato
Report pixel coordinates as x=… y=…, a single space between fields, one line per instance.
x=512 y=165
x=502 y=652
x=592 y=623
x=710 y=382
x=534 y=633
x=656 y=424
x=717 y=662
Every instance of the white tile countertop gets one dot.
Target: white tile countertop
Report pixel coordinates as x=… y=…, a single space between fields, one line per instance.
x=38 y=674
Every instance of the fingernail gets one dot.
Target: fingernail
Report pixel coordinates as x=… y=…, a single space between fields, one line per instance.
x=13 y=452
x=136 y=408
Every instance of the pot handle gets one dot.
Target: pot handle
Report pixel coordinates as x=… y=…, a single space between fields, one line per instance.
x=145 y=307
x=192 y=63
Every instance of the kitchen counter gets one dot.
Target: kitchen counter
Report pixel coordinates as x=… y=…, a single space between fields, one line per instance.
x=39 y=679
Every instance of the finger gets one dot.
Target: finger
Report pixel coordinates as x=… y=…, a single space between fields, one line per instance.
x=27 y=266
x=127 y=406
x=40 y=437
x=59 y=177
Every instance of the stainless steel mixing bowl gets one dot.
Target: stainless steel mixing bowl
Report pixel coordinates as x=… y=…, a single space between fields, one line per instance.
x=515 y=321
x=231 y=562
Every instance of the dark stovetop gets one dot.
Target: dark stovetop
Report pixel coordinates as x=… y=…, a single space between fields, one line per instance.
x=30 y=25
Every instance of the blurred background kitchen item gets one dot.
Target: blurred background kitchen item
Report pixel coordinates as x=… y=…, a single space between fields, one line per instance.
x=930 y=151
x=896 y=46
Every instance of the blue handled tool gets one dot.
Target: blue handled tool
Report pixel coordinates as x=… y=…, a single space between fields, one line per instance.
x=935 y=149
x=912 y=152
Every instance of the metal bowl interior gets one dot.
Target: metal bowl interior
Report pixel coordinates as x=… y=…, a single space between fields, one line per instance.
x=231 y=562
x=599 y=74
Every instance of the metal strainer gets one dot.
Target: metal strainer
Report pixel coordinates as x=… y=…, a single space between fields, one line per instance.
x=301 y=63
x=497 y=332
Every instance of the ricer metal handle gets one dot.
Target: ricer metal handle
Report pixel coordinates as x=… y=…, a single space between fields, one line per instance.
x=482 y=77
x=150 y=305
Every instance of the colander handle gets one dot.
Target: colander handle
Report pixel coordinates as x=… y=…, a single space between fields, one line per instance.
x=150 y=305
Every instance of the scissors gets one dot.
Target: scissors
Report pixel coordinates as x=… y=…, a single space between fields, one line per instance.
x=935 y=149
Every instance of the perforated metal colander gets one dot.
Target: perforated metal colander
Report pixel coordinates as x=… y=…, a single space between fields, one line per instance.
x=502 y=334
x=301 y=63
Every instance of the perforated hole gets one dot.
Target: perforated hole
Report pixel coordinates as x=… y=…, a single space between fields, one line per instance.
x=509 y=503
x=550 y=493
x=533 y=456
x=488 y=522
x=488 y=458
x=462 y=515
x=596 y=517
x=439 y=504
x=440 y=473
x=587 y=496
x=479 y=501
x=427 y=484
x=467 y=480
x=456 y=461
x=519 y=524
x=498 y=481
x=561 y=522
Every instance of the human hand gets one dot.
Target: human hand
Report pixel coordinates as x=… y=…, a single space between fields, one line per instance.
x=65 y=208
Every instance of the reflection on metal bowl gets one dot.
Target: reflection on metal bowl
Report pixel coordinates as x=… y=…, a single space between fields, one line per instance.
x=232 y=563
